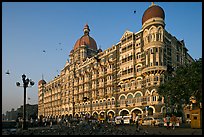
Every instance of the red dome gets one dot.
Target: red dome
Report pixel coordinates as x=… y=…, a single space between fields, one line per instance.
x=153 y=11
x=86 y=40
x=41 y=82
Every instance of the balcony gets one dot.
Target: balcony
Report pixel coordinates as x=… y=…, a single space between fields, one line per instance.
x=154 y=69
x=126 y=76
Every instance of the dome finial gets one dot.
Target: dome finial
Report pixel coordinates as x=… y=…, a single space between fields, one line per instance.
x=86 y=29
x=152 y=4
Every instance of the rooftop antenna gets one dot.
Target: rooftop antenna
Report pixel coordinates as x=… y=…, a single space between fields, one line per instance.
x=42 y=77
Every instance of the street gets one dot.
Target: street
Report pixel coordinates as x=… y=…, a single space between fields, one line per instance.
x=103 y=129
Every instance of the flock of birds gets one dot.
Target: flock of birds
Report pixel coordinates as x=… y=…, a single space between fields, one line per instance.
x=44 y=51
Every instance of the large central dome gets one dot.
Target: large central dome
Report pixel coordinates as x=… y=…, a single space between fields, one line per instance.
x=86 y=40
x=153 y=11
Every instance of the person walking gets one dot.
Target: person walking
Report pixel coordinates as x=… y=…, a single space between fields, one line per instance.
x=31 y=122
x=167 y=120
x=173 y=120
x=17 y=122
x=122 y=120
x=51 y=122
x=137 y=122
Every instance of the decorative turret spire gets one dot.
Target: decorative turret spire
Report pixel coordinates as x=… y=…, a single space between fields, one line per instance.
x=86 y=29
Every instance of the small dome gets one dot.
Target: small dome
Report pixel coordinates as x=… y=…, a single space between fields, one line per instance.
x=41 y=82
x=153 y=11
x=86 y=40
x=72 y=51
x=100 y=50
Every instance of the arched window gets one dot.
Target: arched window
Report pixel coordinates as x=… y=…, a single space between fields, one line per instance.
x=129 y=97
x=113 y=101
x=138 y=97
x=109 y=103
x=160 y=34
x=154 y=96
x=122 y=100
x=122 y=97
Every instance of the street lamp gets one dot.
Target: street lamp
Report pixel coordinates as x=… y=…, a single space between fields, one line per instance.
x=25 y=85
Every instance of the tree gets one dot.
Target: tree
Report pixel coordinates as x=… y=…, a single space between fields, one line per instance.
x=184 y=82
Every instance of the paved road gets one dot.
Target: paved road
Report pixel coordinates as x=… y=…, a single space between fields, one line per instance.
x=99 y=129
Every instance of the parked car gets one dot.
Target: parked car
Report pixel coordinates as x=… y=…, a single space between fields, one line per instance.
x=126 y=119
x=159 y=122
x=151 y=121
x=118 y=120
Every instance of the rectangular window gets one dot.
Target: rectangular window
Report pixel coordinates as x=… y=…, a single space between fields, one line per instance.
x=157 y=63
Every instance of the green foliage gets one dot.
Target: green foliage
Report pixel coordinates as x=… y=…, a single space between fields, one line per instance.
x=185 y=81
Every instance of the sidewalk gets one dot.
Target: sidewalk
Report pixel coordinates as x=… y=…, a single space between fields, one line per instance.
x=176 y=131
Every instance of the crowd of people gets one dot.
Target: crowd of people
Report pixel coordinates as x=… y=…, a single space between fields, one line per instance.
x=88 y=125
x=77 y=126
x=173 y=120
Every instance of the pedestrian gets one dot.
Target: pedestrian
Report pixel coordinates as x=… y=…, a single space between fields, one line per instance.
x=122 y=120
x=137 y=122
x=131 y=121
x=36 y=122
x=50 y=122
x=173 y=121
x=167 y=120
x=17 y=122
x=31 y=122
x=66 y=122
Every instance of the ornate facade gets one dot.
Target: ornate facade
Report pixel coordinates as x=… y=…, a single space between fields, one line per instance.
x=121 y=80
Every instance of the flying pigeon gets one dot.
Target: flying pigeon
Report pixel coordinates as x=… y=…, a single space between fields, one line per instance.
x=7 y=72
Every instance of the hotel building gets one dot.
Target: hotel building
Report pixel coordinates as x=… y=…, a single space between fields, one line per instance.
x=121 y=80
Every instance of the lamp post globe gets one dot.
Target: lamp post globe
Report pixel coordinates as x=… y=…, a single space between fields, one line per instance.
x=25 y=85
x=18 y=84
x=23 y=76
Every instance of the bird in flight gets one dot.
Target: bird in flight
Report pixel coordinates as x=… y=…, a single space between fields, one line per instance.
x=43 y=50
x=134 y=11
x=7 y=72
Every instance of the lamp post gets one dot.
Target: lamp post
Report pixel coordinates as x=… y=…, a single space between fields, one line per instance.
x=25 y=85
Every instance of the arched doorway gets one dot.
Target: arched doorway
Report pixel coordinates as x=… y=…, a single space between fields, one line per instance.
x=77 y=115
x=150 y=112
x=124 y=113
x=102 y=116
x=111 y=115
x=134 y=112
x=95 y=115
